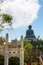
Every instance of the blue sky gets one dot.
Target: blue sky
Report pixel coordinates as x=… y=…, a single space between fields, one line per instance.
x=36 y=22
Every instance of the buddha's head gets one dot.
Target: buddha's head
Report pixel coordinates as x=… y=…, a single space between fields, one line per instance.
x=30 y=27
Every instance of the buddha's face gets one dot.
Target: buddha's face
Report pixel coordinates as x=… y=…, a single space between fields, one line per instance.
x=30 y=27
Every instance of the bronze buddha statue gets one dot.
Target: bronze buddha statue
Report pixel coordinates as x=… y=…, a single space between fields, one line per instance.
x=30 y=32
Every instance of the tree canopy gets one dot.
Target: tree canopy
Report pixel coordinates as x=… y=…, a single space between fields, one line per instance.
x=1 y=60
x=28 y=51
x=5 y=21
x=14 y=61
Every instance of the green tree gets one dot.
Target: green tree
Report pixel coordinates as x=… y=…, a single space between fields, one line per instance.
x=25 y=56
x=28 y=51
x=4 y=39
x=14 y=61
x=6 y=19
x=1 y=60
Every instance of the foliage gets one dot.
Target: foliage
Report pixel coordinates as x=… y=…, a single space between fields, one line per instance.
x=6 y=18
x=25 y=56
x=28 y=51
x=1 y=60
x=40 y=45
x=31 y=52
x=5 y=21
x=27 y=45
x=4 y=39
x=25 y=63
x=14 y=61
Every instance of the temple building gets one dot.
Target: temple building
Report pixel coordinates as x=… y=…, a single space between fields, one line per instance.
x=30 y=36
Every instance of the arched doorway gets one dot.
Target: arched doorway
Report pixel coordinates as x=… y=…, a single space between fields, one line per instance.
x=14 y=61
x=1 y=60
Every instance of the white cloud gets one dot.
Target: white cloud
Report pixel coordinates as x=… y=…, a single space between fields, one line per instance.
x=23 y=11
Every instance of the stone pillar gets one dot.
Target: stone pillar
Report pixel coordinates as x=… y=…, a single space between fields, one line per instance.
x=22 y=52
x=6 y=51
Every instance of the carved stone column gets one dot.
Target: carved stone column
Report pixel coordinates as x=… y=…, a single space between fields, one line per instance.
x=22 y=52
x=6 y=51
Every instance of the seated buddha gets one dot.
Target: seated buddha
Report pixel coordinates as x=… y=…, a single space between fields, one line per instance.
x=30 y=32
